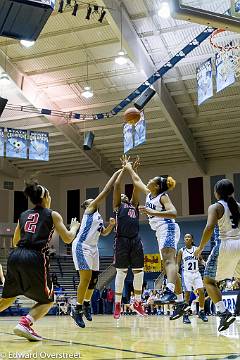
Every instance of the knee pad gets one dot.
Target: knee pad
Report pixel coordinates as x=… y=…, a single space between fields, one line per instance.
x=94 y=280
x=119 y=281
x=138 y=279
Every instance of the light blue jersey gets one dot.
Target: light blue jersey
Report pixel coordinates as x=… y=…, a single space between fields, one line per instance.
x=90 y=229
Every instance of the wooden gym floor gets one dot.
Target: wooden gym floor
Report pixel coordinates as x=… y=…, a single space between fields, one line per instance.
x=129 y=338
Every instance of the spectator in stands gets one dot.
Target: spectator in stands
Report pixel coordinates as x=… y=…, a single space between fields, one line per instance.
x=104 y=299
x=110 y=301
x=52 y=251
x=95 y=301
x=55 y=279
x=2 y=278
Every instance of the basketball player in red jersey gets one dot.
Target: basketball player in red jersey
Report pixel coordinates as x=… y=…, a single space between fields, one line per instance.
x=28 y=265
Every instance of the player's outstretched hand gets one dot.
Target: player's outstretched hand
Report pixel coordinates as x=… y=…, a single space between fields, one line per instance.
x=124 y=160
x=146 y=211
x=74 y=224
x=198 y=252
x=136 y=163
x=112 y=221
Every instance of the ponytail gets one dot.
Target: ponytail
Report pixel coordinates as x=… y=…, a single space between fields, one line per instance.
x=234 y=209
x=171 y=183
x=224 y=188
x=34 y=191
x=165 y=183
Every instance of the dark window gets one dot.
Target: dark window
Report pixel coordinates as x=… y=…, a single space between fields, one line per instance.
x=195 y=196
x=213 y=181
x=109 y=206
x=73 y=205
x=236 y=180
x=92 y=193
x=20 y=204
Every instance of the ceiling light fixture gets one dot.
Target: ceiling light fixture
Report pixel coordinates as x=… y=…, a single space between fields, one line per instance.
x=103 y=13
x=27 y=43
x=75 y=9
x=89 y=11
x=121 y=59
x=164 y=10
x=87 y=93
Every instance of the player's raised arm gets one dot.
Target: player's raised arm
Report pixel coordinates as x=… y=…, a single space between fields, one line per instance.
x=64 y=233
x=117 y=190
x=137 y=182
x=107 y=188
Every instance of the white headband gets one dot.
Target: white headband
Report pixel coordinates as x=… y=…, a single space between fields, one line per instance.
x=43 y=191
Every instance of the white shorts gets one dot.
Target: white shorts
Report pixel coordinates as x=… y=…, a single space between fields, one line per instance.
x=85 y=257
x=224 y=260
x=192 y=281
x=168 y=236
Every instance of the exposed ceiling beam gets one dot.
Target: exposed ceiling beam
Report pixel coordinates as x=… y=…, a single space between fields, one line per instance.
x=138 y=54
x=38 y=98
x=65 y=50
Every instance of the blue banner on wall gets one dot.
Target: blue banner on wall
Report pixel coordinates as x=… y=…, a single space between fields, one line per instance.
x=1 y=141
x=224 y=73
x=127 y=137
x=205 y=81
x=38 y=146
x=16 y=144
x=140 y=131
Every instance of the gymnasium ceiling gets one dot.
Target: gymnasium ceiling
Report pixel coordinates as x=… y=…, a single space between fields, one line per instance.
x=54 y=71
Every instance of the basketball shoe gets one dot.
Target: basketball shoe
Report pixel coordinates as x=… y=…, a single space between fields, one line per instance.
x=117 y=310
x=180 y=309
x=87 y=311
x=137 y=306
x=202 y=316
x=186 y=319
x=167 y=297
x=226 y=319
x=77 y=315
x=24 y=329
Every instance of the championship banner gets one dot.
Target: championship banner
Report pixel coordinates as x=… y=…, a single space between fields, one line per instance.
x=127 y=137
x=38 y=146
x=16 y=144
x=1 y=141
x=152 y=263
x=140 y=131
x=224 y=73
x=205 y=81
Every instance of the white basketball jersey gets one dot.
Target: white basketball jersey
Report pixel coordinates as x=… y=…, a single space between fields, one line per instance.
x=189 y=261
x=90 y=229
x=155 y=204
x=227 y=229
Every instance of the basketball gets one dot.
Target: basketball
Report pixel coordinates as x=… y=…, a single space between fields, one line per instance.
x=132 y=116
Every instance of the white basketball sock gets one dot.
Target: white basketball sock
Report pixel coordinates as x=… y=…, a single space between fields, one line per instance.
x=220 y=307
x=180 y=297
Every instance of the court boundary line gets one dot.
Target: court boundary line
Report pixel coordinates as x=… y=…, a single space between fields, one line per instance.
x=70 y=342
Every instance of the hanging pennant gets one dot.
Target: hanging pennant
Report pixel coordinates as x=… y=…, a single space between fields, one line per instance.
x=140 y=131
x=38 y=146
x=205 y=81
x=224 y=72
x=16 y=144
x=127 y=137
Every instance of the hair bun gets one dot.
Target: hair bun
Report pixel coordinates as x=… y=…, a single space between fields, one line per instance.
x=171 y=183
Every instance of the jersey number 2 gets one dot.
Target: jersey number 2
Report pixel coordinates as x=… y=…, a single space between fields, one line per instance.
x=31 y=223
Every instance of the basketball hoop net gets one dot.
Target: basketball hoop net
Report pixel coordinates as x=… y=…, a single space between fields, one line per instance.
x=227 y=44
